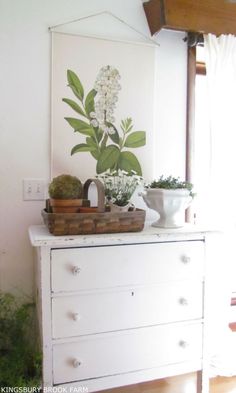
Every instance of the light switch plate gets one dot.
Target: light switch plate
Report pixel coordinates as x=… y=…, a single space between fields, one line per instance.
x=33 y=189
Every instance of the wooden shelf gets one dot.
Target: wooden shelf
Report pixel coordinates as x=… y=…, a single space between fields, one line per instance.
x=204 y=16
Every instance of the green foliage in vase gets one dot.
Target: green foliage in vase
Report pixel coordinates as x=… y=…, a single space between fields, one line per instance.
x=20 y=359
x=171 y=183
x=96 y=123
x=65 y=187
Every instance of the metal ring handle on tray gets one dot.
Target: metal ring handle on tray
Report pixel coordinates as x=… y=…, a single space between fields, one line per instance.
x=100 y=191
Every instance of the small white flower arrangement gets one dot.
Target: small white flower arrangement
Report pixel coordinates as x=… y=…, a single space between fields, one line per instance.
x=107 y=145
x=120 y=186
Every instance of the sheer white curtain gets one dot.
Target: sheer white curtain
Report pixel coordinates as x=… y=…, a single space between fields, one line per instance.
x=221 y=204
x=221 y=82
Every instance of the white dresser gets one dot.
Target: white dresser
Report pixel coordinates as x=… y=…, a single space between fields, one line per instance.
x=120 y=309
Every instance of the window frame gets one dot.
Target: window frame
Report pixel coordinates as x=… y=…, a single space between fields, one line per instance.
x=194 y=68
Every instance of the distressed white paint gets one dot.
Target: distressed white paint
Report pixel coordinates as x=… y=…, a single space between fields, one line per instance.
x=147 y=340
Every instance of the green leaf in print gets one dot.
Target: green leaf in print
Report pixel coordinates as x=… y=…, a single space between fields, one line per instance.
x=74 y=106
x=108 y=158
x=75 y=92
x=99 y=134
x=95 y=150
x=82 y=147
x=104 y=142
x=80 y=126
x=75 y=84
x=129 y=162
x=95 y=154
x=115 y=136
x=89 y=102
x=126 y=125
x=136 y=139
x=91 y=142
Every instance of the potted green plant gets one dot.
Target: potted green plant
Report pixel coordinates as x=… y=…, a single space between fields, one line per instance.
x=66 y=193
x=20 y=357
x=119 y=187
x=109 y=146
x=169 y=197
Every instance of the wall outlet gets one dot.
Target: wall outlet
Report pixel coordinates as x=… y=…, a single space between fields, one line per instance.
x=34 y=189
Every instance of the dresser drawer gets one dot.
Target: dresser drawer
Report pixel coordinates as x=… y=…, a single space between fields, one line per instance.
x=123 y=309
x=112 y=266
x=122 y=352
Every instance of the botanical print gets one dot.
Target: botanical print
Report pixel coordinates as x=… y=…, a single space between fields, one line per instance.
x=103 y=140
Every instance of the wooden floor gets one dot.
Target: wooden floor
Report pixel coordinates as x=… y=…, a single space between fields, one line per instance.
x=178 y=384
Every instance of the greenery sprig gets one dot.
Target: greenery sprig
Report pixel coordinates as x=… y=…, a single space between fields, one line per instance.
x=171 y=183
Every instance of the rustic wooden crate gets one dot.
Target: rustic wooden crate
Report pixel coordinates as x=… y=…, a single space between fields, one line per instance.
x=103 y=221
x=88 y=223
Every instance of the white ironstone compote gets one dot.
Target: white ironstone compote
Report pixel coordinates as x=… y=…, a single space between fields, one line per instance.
x=169 y=204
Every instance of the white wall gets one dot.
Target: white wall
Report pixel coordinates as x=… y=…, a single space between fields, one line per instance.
x=25 y=113
x=171 y=104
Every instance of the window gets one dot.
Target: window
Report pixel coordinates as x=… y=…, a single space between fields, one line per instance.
x=200 y=134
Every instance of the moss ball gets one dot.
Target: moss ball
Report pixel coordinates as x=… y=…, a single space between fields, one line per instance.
x=65 y=187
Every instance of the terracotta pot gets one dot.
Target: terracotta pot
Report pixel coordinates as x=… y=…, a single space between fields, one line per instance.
x=88 y=209
x=67 y=205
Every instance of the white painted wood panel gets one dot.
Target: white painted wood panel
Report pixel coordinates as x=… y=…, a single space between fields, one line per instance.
x=109 y=354
x=121 y=380
x=106 y=267
x=40 y=237
x=124 y=309
x=46 y=316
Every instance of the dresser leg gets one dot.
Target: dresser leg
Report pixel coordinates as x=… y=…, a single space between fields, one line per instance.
x=202 y=382
x=199 y=381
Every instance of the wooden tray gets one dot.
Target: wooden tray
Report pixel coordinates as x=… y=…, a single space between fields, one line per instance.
x=103 y=221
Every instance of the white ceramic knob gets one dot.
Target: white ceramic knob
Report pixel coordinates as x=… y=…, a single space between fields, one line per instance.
x=186 y=259
x=183 y=301
x=76 y=363
x=75 y=316
x=183 y=344
x=76 y=270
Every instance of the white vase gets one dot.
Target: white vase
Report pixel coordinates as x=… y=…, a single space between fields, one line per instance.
x=119 y=209
x=170 y=204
